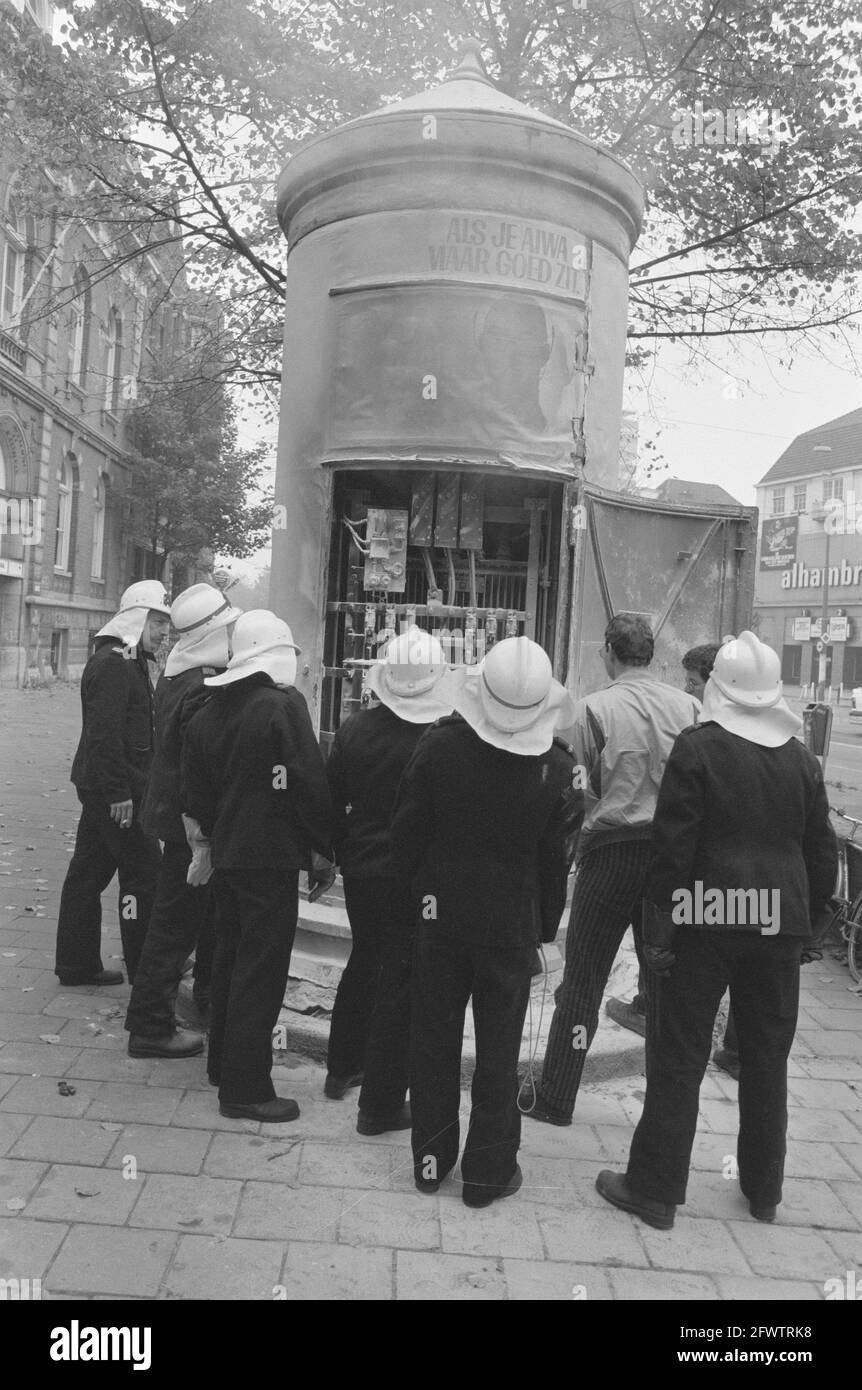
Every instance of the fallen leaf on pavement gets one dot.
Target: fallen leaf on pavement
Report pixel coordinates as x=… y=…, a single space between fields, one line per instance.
x=16 y=1204
x=49 y=1037
x=65 y=1089
x=191 y=1221
x=82 y=1192
x=110 y=1126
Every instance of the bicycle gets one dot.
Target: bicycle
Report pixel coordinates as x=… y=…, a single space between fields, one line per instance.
x=847 y=899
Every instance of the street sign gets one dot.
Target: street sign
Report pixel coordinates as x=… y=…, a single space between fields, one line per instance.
x=821 y=647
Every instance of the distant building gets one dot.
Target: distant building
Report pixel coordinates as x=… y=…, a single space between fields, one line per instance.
x=682 y=493
x=76 y=336
x=811 y=548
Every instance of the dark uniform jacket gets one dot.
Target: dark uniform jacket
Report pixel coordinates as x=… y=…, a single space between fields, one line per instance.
x=368 y=755
x=484 y=838
x=253 y=776
x=178 y=698
x=734 y=815
x=116 y=746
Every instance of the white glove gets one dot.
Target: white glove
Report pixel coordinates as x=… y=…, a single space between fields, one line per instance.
x=201 y=868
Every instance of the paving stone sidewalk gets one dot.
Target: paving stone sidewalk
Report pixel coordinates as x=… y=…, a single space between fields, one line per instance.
x=131 y=1186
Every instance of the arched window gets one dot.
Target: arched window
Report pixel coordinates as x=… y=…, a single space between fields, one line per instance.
x=79 y=327
x=64 y=516
x=12 y=285
x=97 y=563
x=114 y=360
x=3 y=474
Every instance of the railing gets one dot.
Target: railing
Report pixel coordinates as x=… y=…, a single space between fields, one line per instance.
x=13 y=350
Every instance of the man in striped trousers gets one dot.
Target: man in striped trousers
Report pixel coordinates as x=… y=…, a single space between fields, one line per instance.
x=622 y=736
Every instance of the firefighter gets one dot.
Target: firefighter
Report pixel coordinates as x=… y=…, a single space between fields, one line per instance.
x=741 y=825
x=253 y=787
x=482 y=836
x=110 y=772
x=370 y=1027
x=181 y=920
x=622 y=737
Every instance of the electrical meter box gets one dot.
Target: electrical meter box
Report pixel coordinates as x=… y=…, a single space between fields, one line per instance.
x=386 y=561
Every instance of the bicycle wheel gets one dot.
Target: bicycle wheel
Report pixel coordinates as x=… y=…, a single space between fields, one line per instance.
x=854 y=942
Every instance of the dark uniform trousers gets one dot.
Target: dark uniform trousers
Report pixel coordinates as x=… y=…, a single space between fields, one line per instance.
x=103 y=849
x=181 y=921
x=370 y=1029
x=447 y=973
x=607 y=897
x=763 y=975
x=255 y=924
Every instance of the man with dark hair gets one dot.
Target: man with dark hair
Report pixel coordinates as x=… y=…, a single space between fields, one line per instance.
x=697 y=663
x=622 y=736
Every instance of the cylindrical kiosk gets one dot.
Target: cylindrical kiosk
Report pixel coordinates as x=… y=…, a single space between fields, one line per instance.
x=453 y=365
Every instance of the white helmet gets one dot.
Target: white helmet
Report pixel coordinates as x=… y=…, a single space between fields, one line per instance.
x=201 y=615
x=146 y=593
x=511 y=699
x=261 y=642
x=201 y=607
x=748 y=672
x=406 y=677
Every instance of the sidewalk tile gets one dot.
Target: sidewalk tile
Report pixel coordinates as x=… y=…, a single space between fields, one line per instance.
x=11 y=1127
x=160 y=1149
x=852 y=1153
x=94 y=1065
x=6 y=1083
x=547 y=1281
x=38 y=1095
x=124 y=1100
x=225 y=1269
x=836 y=1095
x=661 y=1284
x=805 y=1158
x=16 y=1001
x=77 y=1003
x=187 y=1073
x=15 y=1027
x=348 y=1165
x=18 y=1179
x=173 y=1203
x=696 y=1244
x=435 y=1277
x=265 y=1157
x=29 y=1058
x=389 y=1219
x=837 y=1044
x=850 y=1194
x=580 y=1141
x=848 y=1248
x=70 y=1193
x=58 y=1140
x=718 y=1116
x=835 y=1018
x=591 y=1236
x=819 y=1126
x=111 y=1260
x=785 y=1252
x=29 y=1247
x=759 y=1288
x=595 y=1108
x=549 y=1180
x=833 y=1069
x=508 y=1227
x=270 y=1211
x=320 y=1272
x=199 y=1110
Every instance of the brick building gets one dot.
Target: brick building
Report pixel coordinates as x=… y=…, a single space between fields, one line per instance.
x=76 y=336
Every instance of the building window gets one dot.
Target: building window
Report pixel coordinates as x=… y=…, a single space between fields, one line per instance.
x=12 y=285
x=64 y=517
x=778 y=501
x=98 y=529
x=79 y=327
x=800 y=498
x=114 y=360
x=833 y=487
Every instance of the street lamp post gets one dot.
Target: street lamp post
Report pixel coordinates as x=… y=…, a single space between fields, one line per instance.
x=821 y=515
